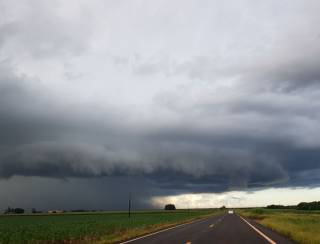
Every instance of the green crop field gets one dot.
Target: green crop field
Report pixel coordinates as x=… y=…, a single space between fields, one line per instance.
x=104 y=227
x=301 y=226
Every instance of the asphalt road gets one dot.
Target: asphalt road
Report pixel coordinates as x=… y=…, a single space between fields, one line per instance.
x=228 y=228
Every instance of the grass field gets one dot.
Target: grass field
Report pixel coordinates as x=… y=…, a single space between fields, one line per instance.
x=300 y=226
x=104 y=227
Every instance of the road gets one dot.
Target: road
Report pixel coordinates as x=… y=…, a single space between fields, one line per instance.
x=228 y=229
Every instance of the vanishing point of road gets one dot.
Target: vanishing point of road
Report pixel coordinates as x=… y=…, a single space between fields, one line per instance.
x=223 y=229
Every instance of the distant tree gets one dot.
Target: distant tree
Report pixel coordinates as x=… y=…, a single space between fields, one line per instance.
x=9 y=210
x=19 y=210
x=170 y=207
x=79 y=210
x=273 y=206
x=223 y=207
x=14 y=211
x=309 y=206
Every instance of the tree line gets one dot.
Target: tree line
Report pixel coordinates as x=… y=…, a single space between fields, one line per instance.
x=301 y=206
x=14 y=211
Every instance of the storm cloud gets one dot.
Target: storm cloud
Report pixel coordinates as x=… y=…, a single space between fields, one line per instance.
x=175 y=97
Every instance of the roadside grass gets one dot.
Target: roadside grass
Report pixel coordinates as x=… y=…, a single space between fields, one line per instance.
x=300 y=226
x=102 y=227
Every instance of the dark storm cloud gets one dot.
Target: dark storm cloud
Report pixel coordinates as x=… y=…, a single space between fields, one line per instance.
x=37 y=142
x=34 y=144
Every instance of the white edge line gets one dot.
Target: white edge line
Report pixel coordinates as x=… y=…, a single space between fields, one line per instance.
x=154 y=233
x=259 y=232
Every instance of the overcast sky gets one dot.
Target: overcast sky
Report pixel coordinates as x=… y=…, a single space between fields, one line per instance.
x=170 y=100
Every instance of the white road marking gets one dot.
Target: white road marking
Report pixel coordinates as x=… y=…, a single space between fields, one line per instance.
x=259 y=232
x=154 y=233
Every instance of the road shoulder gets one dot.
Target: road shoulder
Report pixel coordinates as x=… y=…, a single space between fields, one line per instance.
x=273 y=235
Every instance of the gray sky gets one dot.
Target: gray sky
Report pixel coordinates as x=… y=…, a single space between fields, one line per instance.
x=164 y=99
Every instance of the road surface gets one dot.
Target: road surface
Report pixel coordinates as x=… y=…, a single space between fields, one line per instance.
x=224 y=229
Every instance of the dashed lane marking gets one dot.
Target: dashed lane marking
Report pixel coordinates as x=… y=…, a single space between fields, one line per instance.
x=171 y=228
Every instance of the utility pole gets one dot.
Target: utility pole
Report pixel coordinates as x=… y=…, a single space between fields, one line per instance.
x=129 y=210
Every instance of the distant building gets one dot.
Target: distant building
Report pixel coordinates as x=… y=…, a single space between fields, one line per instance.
x=55 y=211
